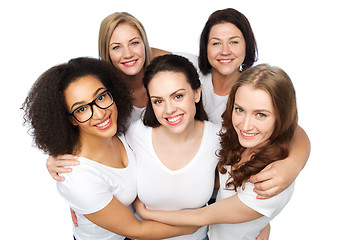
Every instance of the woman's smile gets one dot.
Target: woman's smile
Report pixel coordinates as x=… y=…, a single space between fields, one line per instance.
x=174 y=120
x=104 y=124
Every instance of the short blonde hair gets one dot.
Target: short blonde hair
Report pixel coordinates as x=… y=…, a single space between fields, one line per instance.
x=107 y=27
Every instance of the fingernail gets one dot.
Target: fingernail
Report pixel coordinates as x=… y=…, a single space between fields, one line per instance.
x=258 y=197
x=250 y=179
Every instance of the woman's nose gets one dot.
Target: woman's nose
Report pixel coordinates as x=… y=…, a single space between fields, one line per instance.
x=127 y=53
x=247 y=123
x=170 y=107
x=98 y=113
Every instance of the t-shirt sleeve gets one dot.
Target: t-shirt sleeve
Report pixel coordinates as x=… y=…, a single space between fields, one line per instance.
x=85 y=190
x=267 y=207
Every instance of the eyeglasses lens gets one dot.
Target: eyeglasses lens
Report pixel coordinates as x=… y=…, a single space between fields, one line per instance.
x=85 y=112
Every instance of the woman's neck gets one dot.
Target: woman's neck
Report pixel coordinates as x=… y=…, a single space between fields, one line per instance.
x=89 y=146
x=175 y=151
x=222 y=84
x=245 y=157
x=101 y=150
x=193 y=130
x=137 y=89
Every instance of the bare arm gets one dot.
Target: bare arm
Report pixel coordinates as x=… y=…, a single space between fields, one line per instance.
x=277 y=176
x=158 y=52
x=117 y=218
x=230 y=210
x=264 y=233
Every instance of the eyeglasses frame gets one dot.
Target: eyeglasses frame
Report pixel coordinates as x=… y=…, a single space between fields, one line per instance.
x=91 y=104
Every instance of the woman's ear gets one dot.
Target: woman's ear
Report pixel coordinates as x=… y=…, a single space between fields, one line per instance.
x=197 y=95
x=73 y=121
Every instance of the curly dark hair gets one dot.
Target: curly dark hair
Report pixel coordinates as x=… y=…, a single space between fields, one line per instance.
x=277 y=83
x=45 y=110
x=172 y=63
x=228 y=15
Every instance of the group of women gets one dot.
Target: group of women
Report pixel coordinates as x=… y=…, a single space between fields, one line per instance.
x=163 y=131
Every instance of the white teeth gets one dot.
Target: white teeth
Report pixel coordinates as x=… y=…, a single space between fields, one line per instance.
x=225 y=61
x=175 y=118
x=104 y=123
x=249 y=134
x=130 y=63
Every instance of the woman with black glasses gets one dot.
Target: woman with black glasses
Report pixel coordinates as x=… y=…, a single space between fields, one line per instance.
x=82 y=107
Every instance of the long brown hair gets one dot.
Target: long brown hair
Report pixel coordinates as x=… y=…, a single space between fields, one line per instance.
x=278 y=84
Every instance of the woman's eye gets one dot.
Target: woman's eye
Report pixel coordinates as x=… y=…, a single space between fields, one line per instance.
x=135 y=43
x=80 y=109
x=215 y=43
x=234 y=42
x=262 y=115
x=179 y=96
x=116 y=47
x=101 y=97
x=157 y=101
x=239 y=110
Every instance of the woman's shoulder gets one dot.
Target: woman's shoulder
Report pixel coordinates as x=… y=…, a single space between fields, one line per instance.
x=136 y=132
x=269 y=207
x=211 y=136
x=137 y=124
x=191 y=57
x=134 y=128
x=212 y=127
x=87 y=168
x=83 y=175
x=84 y=181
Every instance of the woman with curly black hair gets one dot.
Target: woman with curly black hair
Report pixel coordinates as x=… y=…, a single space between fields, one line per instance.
x=82 y=107
x=52 y=131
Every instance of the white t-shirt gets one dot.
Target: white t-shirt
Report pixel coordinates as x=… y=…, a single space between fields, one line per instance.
x=91 y=186
x=164 y=189
x=136 y=114
x=214 y=104
x=248 y=230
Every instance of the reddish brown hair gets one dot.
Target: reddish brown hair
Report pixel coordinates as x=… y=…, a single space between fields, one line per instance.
x=278 y=84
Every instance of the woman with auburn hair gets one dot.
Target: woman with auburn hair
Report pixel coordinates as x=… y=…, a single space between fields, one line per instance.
x=257 y=129
x=278 y=85
x=87 y=105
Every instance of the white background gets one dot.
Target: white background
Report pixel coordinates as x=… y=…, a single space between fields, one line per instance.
x=305 y=38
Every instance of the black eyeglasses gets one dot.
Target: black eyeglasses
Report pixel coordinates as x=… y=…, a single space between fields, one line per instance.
x=85 y=112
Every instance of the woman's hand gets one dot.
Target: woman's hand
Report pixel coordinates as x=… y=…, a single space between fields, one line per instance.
x=273 y=179
x=279 y=175
x=59 y=164
x=140 y=208
x=74 y=217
